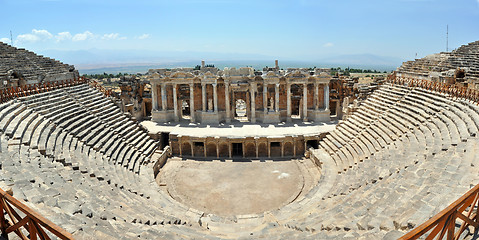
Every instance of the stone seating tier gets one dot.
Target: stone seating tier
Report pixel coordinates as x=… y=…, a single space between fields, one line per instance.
x=403 y=156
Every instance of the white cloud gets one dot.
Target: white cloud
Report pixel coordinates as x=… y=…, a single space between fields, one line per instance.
x=63 y=36
x=145 y=36
x=35 y=36
x=83 y=36
x=42 y=33
x=328 y=44
x=112 y=36
x=5 y=40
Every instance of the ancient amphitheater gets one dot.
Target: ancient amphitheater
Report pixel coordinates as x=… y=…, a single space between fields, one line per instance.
x=80 y=168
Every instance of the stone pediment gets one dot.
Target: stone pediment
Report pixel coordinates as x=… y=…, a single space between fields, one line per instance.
x=271 y=76
x=297 y=74
x=209 y=76
x=156 y=75
x=182 y=74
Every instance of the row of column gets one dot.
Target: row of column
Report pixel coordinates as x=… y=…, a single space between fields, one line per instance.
x=227 y=100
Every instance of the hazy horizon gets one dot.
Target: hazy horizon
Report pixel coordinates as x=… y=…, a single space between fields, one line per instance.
x=90 y=32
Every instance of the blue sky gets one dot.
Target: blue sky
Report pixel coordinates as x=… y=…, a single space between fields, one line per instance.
x=292 y=30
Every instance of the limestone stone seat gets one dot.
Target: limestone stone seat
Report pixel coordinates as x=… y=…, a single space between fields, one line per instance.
x=352 y=205
x=16 y=121
x=89 y=188
x=23 y=126
x=8 y=114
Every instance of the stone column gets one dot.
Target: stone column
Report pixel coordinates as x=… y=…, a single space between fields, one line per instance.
x=256 y=145
x=253 y=102
x=192 y=102
x=164 y=102
x=269 y=149
x=288 y=102
x=204 y=148
x=175 y=103
x=154 y=96
x=326 y=97
x=276 y=97
x=316 y=95
x=305 y=102
x=227 y=102
x=229 y=150
x=215 y=98
x=217 y=150
x=203 y=96
x=244 y=149
x=180 y=144
x=294 y=147
x=282 y=148
x=265 y=98
x=248 y=106
x=192 y=148
x=233 y=104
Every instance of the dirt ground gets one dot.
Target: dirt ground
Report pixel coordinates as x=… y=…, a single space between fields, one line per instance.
x=229 y=188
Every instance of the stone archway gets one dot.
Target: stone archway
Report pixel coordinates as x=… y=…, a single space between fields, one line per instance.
x=224 y=151
x=275 y=149
x=250 y=150
x=288 y=149
x=186 y=149
x=262 y=150
x=211 y=149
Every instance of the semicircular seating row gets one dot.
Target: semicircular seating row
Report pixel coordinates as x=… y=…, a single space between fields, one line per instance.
x=28 y=64
x=73 y=156
x=403 y=156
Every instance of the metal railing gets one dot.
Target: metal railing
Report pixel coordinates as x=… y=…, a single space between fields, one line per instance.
x=29 y=89
x=451 y=90
x=31 y=226
x=462 y=212
x=99 y=87
x=10 y=93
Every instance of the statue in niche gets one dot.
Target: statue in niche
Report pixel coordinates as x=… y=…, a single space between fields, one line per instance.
x=210 y=105
x=271 y=104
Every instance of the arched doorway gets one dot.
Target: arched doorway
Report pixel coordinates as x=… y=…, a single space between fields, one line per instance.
x=250 y=150
x=275 y=150
x=199 y=149
x=211 y=150
x=262 y=150
x=185 y=109
x=296 y=100
x=186 y=149
x=224 y=151
x=288 y=149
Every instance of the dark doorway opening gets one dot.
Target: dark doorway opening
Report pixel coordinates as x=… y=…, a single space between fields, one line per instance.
x=165 y=139
x=147 y=109
x=237 y=149
x=185 y=109
x=275 y=150
x=312 y=144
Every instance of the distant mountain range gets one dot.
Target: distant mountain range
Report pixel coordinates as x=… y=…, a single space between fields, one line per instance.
x=133 y=61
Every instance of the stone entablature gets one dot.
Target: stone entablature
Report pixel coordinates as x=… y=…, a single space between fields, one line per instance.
x=272 y=97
